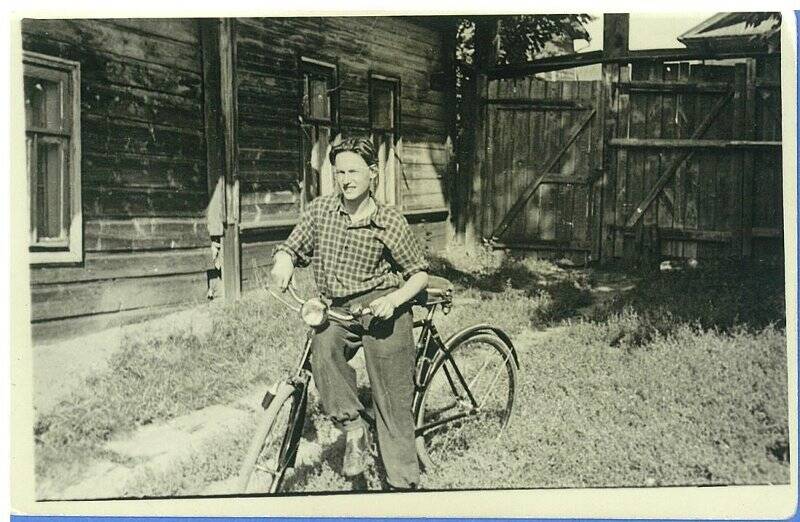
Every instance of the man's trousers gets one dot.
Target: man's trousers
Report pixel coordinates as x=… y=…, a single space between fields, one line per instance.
x=389 y=354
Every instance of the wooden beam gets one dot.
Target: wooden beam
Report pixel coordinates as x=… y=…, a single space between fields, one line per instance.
x=748 y=165
x=555 y=178
x=218 y=42
x=545 y=64
x=674 y=87
x=543 y=104
x=616 y=30
x=678 y=234
x=449 y=61
x=771 y=233
x=573 y=134
x=572 y=61
x=231 y=248
x=541 y=245
x=698 y=133
x=739 y=98
x=616 y=37
x=472 y=187
x=688 y=143
x=209 y=40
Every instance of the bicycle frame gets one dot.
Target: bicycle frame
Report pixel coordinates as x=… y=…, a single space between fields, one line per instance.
x=430 y=346
x=430 y=350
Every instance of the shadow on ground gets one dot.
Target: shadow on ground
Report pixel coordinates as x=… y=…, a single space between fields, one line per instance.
x=717 y=294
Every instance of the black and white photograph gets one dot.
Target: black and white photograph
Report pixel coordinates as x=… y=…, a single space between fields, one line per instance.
x=299 y=256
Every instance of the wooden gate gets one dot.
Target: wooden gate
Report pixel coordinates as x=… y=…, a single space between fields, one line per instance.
x=697 y=159
x=542 y=157
x=693 y=160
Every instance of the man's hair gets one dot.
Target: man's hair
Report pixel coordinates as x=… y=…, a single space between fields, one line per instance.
x=359 y=145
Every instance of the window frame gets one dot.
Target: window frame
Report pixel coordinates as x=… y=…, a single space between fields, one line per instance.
x=67 y=73
x=312 y=66
x=373 y=79
x=308 y=67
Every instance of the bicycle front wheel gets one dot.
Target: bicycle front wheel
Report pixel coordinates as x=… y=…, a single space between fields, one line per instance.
x=271 y=450
x=468 y=397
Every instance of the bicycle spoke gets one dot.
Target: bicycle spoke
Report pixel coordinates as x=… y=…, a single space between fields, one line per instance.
x=467 y=399
x=494 y=381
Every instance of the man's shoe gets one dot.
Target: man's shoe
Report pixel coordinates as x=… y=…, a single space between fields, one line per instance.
x=355 y=453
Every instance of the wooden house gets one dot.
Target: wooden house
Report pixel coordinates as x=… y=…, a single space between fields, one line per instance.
x=148 y=139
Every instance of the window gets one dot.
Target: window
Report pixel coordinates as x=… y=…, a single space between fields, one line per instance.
x=384 y=96
x=52 y=137
x=319 y=117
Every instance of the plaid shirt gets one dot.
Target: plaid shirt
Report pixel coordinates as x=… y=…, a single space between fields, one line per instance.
x=377 y=252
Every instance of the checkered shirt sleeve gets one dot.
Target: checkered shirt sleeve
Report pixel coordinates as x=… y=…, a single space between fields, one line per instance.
x=300 y=243
x=403 y=245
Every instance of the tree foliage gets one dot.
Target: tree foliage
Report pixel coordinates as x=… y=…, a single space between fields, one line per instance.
x=519 y=38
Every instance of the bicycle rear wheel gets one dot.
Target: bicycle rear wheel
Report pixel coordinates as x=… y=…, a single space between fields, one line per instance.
x=468 y=397
x=274 y=444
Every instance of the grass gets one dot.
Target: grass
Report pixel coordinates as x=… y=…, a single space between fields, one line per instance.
x=679 y=380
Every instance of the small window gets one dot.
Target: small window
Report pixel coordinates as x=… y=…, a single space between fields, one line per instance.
x=318 y=122
x=52 y=136
x=318 y=88
x=383 y=94
x=384 y=112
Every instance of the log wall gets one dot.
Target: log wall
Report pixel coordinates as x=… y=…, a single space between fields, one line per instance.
x=144 y=186
x=271 y=153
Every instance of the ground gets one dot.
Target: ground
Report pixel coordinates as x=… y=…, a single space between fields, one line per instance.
x=663 y=379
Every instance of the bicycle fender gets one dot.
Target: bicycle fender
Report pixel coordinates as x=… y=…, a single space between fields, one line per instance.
x=298 y=415
x=484 y=328
x=277 y=388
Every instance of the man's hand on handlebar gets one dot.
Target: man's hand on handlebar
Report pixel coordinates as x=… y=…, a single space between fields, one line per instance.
x=383 y=307
x=282 y=270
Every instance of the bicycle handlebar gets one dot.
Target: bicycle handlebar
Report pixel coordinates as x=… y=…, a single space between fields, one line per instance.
x=355 y=313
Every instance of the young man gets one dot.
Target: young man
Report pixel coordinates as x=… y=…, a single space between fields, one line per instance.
x=362 y=253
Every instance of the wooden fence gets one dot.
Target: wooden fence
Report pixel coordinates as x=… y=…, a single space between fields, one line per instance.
x=688 y=153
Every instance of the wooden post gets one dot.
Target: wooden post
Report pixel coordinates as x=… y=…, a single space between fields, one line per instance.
x=749 y=160
x=219 y=58
x=615 y=44
x=474 y=117
x=449 y=67
x=739 y=100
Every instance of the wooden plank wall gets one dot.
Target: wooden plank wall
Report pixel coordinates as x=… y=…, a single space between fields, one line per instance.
x=722 y=201
x=269 y=93
x=767 y=187
x=717 y=194
x=521 y=138
x=143 y=167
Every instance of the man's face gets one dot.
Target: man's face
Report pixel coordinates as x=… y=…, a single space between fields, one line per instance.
x=353 y=175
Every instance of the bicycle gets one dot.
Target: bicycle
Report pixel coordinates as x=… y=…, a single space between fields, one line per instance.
x=456 y=381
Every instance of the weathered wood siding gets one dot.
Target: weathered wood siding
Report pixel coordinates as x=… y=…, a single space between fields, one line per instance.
x=543 y=132
x=721 y=201
x=144 y=185
x=693 y=161
x=271 y=156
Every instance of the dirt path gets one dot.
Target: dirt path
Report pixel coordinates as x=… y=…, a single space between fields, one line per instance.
x=156 y=459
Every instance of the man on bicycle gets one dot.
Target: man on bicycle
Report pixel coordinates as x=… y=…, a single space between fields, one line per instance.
x=362 y=254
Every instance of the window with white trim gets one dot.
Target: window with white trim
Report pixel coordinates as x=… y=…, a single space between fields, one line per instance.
x=52 y=138
x=384 y=96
